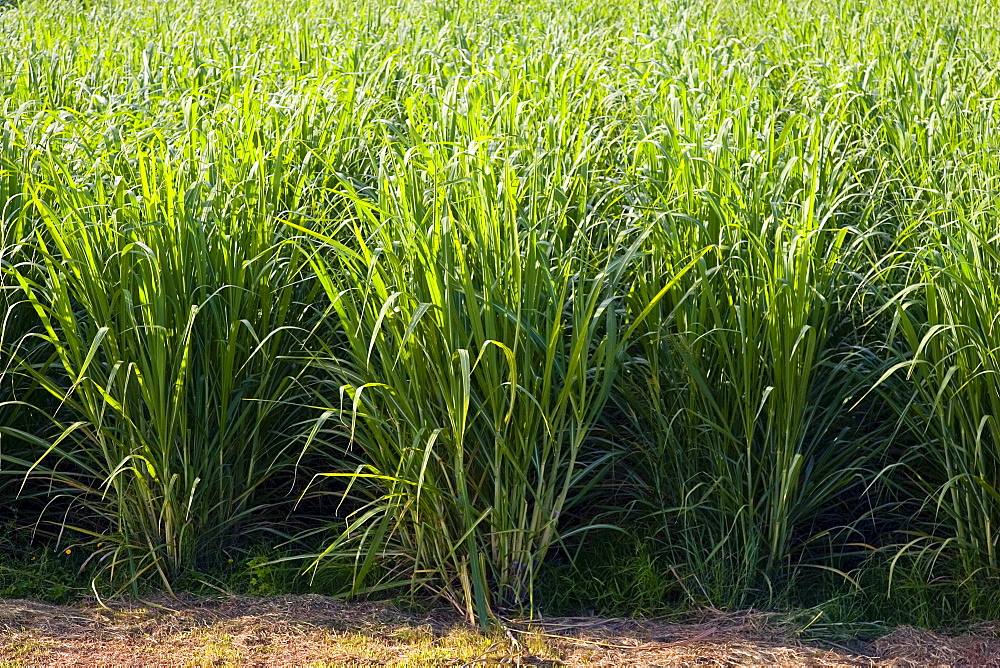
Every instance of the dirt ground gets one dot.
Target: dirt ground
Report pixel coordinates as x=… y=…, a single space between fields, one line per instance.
x=313 y=630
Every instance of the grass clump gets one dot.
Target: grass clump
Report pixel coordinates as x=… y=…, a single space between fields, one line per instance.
x=450 y=291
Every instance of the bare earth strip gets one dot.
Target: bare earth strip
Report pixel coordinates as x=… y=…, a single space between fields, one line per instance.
x=313 y=630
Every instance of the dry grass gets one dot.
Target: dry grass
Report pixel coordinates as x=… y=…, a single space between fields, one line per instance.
x=287 y=630
x=312 y=630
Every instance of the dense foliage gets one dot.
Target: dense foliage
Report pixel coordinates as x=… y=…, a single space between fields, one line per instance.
x=482 y=297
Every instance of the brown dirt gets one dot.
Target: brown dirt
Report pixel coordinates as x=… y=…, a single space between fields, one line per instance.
x=304 y=630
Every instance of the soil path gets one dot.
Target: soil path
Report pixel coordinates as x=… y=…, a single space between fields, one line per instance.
x=313 y=630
